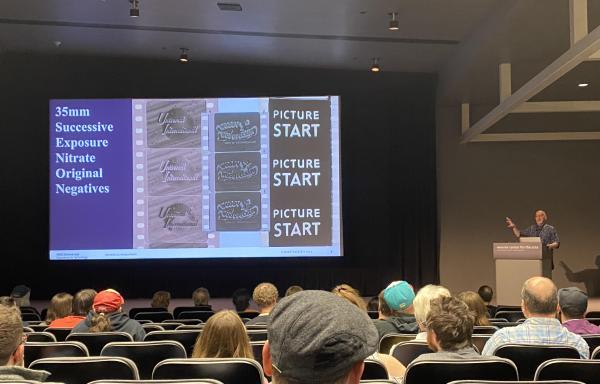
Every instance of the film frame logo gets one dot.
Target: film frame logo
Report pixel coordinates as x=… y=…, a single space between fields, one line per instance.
x=177 y=216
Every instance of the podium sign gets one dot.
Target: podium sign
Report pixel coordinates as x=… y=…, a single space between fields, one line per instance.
x=515 y=263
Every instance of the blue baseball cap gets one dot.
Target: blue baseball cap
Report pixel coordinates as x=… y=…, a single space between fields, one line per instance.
x=399 y=295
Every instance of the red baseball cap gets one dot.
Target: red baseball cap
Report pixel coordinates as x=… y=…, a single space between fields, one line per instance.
x=108 y=300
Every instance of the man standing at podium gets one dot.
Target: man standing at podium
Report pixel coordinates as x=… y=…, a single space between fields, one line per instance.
x=546 y=233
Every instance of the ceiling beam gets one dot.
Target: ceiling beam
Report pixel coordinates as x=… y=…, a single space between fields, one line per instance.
x=537 y=136
x=578 y=18
x=558 y=106
x=578 y=53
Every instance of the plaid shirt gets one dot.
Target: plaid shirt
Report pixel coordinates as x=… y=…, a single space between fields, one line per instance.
x=537 y=331
x=546 y=233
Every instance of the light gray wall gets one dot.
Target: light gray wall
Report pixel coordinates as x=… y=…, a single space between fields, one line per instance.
x=479 y=184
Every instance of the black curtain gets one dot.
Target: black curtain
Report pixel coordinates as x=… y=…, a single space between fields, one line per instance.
x=388 y=152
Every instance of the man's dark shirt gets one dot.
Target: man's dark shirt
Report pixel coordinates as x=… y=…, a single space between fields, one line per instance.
x=546 y=233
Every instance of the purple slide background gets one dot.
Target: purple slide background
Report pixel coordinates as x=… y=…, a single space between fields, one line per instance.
x=94 y=221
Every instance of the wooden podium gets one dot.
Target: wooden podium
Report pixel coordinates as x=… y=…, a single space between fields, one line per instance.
x=515 y=263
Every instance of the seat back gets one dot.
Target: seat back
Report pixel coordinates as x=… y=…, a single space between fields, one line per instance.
x=38 y=327
x=257 y=347
x=593 y=341
x=374 y=370
x=182 y=381
x=373 y=314
x=257 y=334
x=155 y=317
x=96 y=341
x=528 y=357
x=171 y=325
x=406 y=351
x=187 y=338
x=60 y=333
x=484 y=329
x=514 y=382
x=82 y=370
x=442 y=372
x=196 y=315
x=135 y=311
x=30 y=316
x=248 y=315
x=37 y=350
x=40 y=337
x=592 y=314
x=587 y=371
x=178 y=310
x=183 y=327
x=508 y=308
x=229 y=371
x=479 y=341
x=595 y=354
x=146 y=354
x=511 y=316
x=594 y=320
x=149 y=327
x=387 y=341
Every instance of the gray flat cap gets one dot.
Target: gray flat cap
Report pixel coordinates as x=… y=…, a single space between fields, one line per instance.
x=572 y=301
x=317 y=336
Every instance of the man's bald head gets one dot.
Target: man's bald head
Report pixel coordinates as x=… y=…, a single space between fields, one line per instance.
x=539 y=296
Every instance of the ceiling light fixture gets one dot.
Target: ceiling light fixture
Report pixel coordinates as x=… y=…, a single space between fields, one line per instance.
x=394 y=24
x=375 y=67
x=134 y=11
x=183 y=57
x=583 y=85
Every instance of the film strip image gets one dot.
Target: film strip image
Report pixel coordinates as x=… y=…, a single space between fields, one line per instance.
x=174 y=172
x=174 y=124
x=238 y=211
x=175 y=222
x=237 y=171
x=237 y=132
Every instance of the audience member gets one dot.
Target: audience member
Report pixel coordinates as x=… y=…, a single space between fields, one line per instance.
x=315 y=337
x=201 y=296
x=265 y=295
x=107 y=315
x=449 y=331
x=241 y=300
x=61 y=306
x=477 y=306
x=351 y=294
x=396 y=310
x=21 y=294
x=12 y=348
x=421 y=305
x=572 y=303
x=161 y=299
x=81 y=305
x=539 y=303
x=487 y=293
x=373 y=304
x=223 y=335
x=293 y=289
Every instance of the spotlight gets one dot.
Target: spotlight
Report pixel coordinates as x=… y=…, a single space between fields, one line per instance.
x=183 y=57
x=375 y=66
x=394 y=24
x=583 y=85
x=134 y=11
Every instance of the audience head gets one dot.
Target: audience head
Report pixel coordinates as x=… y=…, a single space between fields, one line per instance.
x=61 y=306
x=21 y=294
x=223 y=335
x=105 y=303
x=316 y=337
x=373 y=304
x=7 y=301
x=265 y=295
x=161 y=299
x=241 y=299
x=422 y=300
x=11 y=336
x=399 y=296
x=200 y=297
x=83 y=301
x=572 y=303
x=293 y=289
x=539 y=297
x=383 y=308
x=477 y=306
x=351 y=294
x=449 y=324
x=486 y=293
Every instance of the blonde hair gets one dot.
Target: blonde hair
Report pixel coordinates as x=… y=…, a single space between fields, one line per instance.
x=224 y=335
x=11 y=331
x=265 y=295
x=422 y=301
x=351 y=294
x=476 y=305
x=61 y=306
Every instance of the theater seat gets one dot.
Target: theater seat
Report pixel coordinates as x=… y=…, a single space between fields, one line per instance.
x=511 y=316
x=592 y=314
x=484 y=330
x=182 y=381
x=387 y=341
x=479 y=341
x=587 y=371
x=178 y=310
x=149 y=327
x=247 y=315
x=60 y=333
x=374 y=370
x=82 y=370
x=257 y=334
x=155 y=317
x=195 y=315
x=257 y=347
x=146 y=354
x=37 y=327
x=40 y=337
x=593 y=341
x=528 y=357
x=442 y=372
x=135 y=311
x=36 y=350
x=406 y=351
x=29 y=316
x=596 y=354
x=230 y=371
x=170 y=326
x=96 y=341
x=515 y=382
x=187 y=338
x=184 y=327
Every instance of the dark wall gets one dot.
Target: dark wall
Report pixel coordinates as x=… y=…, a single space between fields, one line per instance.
x=388 y=174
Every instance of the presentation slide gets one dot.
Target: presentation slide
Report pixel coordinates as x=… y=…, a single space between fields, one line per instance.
x=195 y=178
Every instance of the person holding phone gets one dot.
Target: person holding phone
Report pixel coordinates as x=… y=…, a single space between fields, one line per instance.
x=547 y=234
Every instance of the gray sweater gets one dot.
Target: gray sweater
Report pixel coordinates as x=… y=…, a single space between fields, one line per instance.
x=13 y=372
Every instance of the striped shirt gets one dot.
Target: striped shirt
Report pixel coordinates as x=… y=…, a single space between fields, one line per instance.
x=537 y=331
